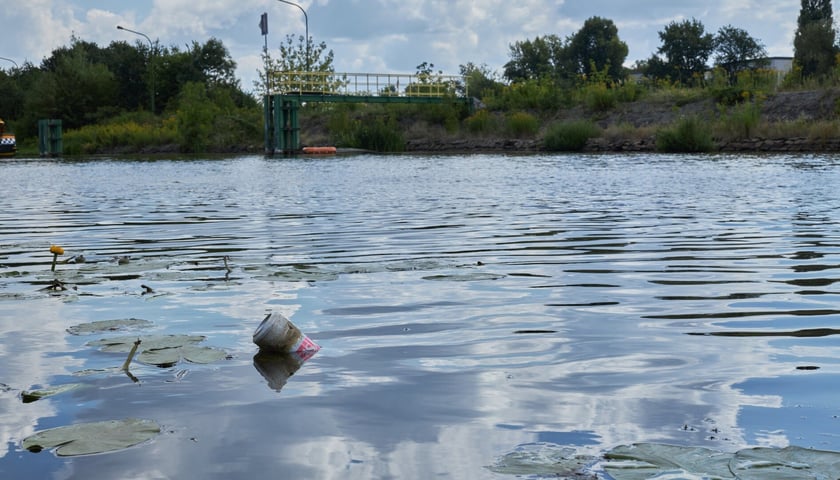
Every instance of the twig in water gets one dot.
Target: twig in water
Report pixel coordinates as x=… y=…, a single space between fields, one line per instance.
x=130 y=356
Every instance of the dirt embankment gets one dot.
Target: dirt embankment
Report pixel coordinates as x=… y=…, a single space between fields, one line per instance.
x=804 y=106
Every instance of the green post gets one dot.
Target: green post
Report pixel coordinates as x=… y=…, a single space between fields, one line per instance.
x=49 y=138
x=286 y=125
x=268 y=120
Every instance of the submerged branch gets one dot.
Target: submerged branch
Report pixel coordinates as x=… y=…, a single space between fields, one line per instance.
x=130 y=356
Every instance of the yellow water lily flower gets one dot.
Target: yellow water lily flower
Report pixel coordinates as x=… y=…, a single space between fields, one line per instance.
x=56 y=250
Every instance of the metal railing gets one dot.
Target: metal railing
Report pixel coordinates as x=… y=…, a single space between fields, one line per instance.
x=367 y=84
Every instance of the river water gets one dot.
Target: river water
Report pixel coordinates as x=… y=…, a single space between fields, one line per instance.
x=465 y=306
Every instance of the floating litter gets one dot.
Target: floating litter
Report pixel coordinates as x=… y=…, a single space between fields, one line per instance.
x=277 y=334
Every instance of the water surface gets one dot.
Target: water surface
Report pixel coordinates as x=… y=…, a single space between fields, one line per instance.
x=465 y=305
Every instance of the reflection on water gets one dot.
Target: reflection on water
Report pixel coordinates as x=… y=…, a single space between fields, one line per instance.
x=464 y=305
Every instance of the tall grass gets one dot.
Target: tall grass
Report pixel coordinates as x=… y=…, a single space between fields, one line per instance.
x=740 y=121
x=569 y=136
x=380 y=135
x=127 y=135
x=522 y=124
x=480 y=122
x=687 y=135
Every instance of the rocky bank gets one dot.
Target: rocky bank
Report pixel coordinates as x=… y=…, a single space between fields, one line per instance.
x=806 y=106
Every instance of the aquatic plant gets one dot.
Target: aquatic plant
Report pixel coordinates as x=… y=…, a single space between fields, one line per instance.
x=56 y=251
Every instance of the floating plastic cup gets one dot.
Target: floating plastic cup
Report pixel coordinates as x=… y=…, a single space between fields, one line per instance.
x=277 y=334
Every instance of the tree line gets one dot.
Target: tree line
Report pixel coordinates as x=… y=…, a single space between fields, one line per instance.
x=85 y=84
x=683 y=57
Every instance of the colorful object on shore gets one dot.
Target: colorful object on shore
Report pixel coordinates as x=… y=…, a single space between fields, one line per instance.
x=56 y=251
x=8 y=144
x=319 y=150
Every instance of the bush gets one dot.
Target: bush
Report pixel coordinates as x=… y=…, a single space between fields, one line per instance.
x=741 y=121
x=535 y=95
x=688 y=135
x=480 y=122
x=599 y=97
x=570 y=136
x=379 y=135
x=522 y=124
x=122 y=134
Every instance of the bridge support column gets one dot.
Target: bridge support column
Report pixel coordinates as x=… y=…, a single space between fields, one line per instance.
x=282 y=130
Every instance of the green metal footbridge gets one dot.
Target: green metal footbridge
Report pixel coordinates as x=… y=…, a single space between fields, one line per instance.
x=289 y=90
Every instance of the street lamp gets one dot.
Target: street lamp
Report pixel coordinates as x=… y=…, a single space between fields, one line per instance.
x=151 y=65
x=9 y=60
x=306 y=23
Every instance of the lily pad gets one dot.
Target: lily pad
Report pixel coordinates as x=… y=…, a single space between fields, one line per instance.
x=147 y=342
x=789 y=463
x=167 y=357
x=652 y=460
x=648 y=460
x=197 y=354
x=35 y=395
x=89 y=438
x=542 y=459
x=163 y=350
x=109 y=326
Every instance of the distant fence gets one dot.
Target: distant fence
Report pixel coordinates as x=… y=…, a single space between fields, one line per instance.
x=367 y=84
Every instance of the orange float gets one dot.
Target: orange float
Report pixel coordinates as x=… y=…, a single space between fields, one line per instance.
x=319 y=150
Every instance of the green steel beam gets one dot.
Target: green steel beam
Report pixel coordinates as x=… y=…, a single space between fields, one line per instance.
x=283 y=132
x=330 y=98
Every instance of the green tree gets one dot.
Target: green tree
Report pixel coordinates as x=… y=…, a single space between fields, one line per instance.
x=129 y=64
x=295 y=56
x=208 y=63
x=813 y=43
x=73 y=88
x=480 y=81
x=195 y=115
x=596 y=48
x=536 y=59
x=736 y=50
x=12 y=93
x=686 y=48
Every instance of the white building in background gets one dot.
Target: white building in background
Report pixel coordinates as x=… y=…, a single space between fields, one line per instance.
x=783 y=65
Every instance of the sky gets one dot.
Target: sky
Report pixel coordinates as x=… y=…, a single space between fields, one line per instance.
x=376 y=36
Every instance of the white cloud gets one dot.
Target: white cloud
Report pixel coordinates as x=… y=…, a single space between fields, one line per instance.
x=379 y=35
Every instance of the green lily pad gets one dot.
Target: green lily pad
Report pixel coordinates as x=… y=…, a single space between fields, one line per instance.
x=789 y=463
x=89 y=438
x=162 y=357
x=163 y=350
x=109 y=326
x=147 y=342
x=197 y=354
x=167 y=357
x=35 y=395
x=649 y=460
x=543 y=459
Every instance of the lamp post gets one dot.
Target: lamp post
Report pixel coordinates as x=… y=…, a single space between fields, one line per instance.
x=151 y=65
x=306 y=24
x=9 y=60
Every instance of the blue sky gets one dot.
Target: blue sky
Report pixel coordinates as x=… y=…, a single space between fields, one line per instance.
x=377 y=36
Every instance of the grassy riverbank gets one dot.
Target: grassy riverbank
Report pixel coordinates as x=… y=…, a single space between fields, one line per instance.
x=521 y=117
